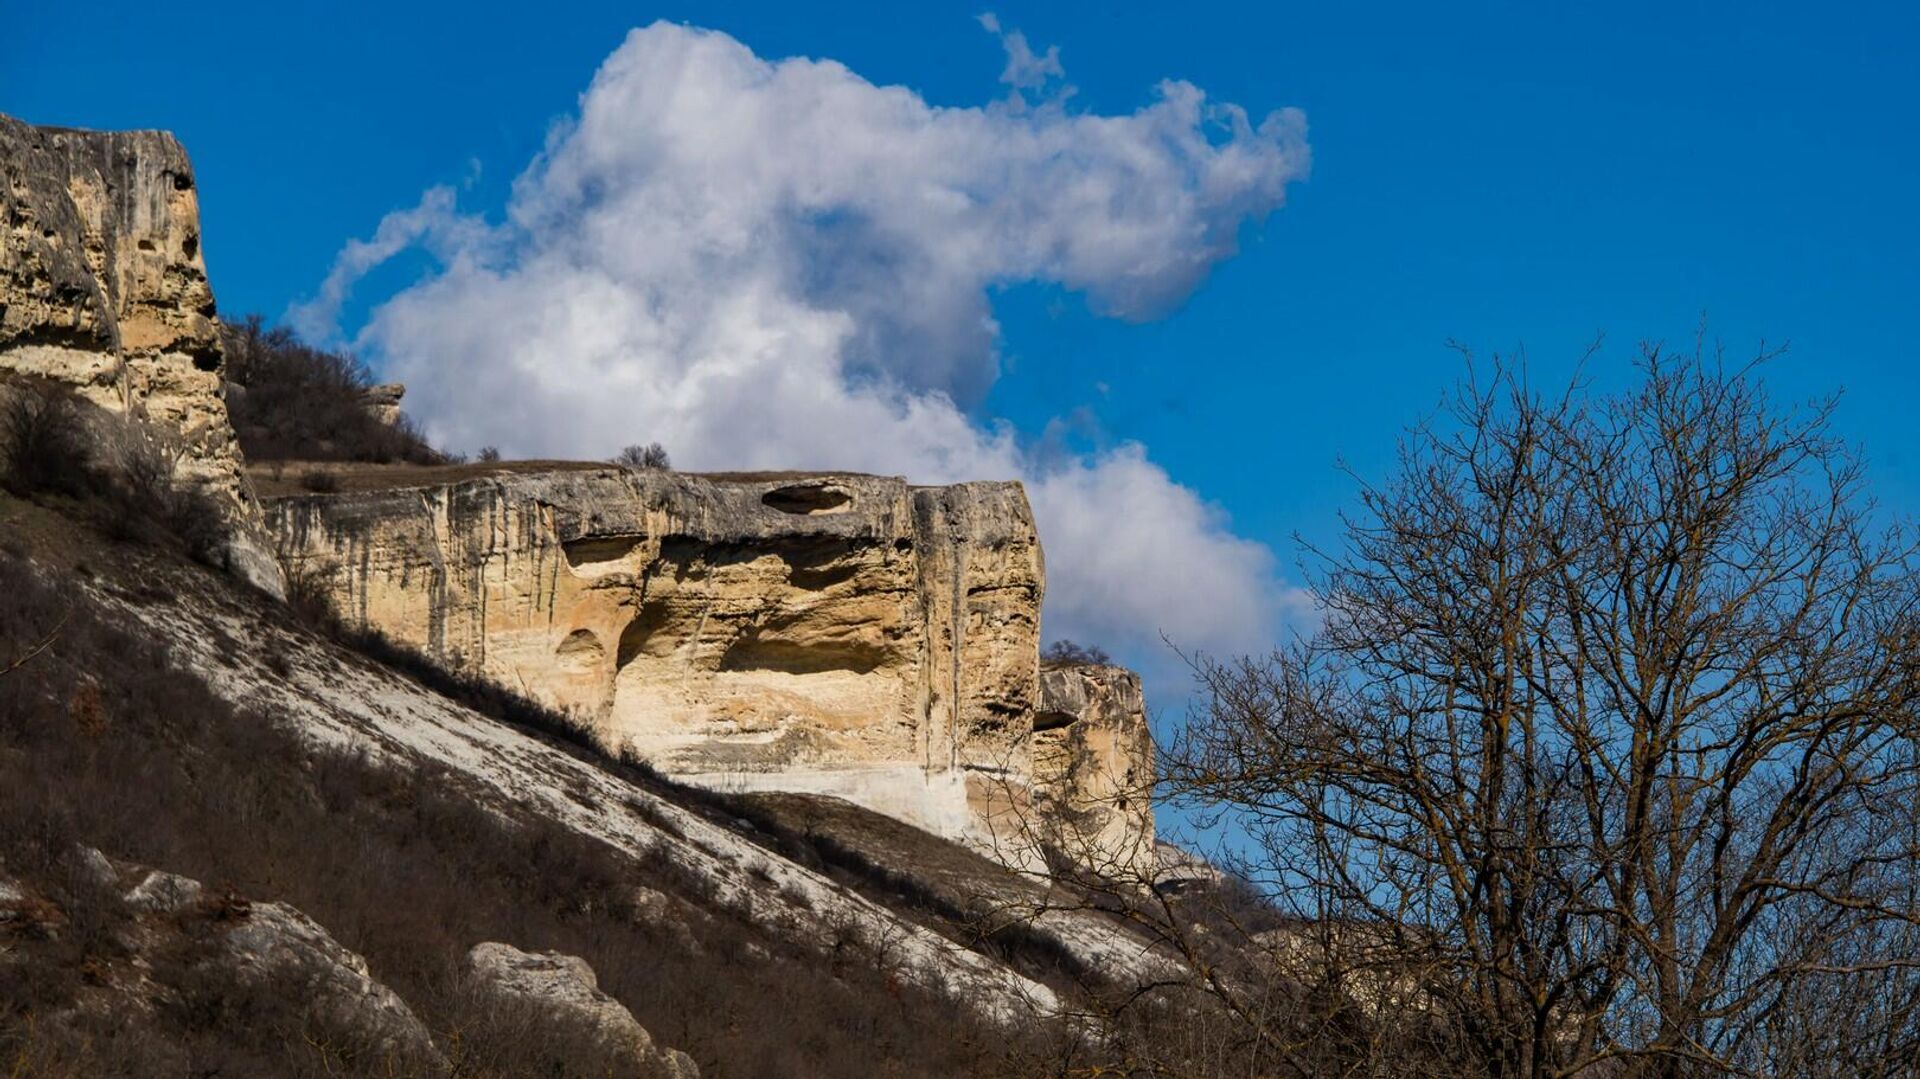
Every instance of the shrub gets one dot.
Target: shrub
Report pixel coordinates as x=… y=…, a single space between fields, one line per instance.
x=124 y=467
x=1065 y=653
x=144 y=499
x=488 y=454
x=43 y=441
x=320 y=481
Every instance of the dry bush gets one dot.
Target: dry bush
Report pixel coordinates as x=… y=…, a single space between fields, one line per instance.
x=650 y=456
x=144 y=501
x=319 y=481
x=1065 y=653
x=122 y=468
x=43 y=444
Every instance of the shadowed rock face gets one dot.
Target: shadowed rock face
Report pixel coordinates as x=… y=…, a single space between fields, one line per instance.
x=837 y=633
x=103 y=286
x=1093 y=768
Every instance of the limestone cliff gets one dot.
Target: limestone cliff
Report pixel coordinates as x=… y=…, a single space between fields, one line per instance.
x=103 y=287
x=1093 y=768
x=834 y=633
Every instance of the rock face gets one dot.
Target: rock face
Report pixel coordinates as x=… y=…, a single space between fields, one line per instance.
x=1093 y=768
x=564 y=987
x=268 y=951
x=841 y=634
x=383 y=401
x=103 y=287
x=838 y=634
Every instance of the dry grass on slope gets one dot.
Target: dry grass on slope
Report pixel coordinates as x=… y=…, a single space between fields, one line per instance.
x=105 y=741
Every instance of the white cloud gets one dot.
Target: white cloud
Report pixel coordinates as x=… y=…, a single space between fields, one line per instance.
x=781 y=265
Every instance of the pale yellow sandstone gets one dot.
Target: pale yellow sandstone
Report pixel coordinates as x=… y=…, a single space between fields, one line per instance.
x=833 y=633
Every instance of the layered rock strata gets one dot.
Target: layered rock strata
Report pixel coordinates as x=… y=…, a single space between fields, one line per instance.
x=841 y=634
x=103 y=287
x=1093 y=769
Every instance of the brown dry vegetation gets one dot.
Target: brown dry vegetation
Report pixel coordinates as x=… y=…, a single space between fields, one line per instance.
x=104 y=742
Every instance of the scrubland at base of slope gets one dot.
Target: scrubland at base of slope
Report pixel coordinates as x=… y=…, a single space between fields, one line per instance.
x=116 y=736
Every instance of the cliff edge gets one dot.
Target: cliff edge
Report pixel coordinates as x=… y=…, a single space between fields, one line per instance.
x=103 y=287
x=826 y=633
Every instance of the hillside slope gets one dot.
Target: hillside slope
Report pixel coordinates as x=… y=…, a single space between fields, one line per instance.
x=232 y=744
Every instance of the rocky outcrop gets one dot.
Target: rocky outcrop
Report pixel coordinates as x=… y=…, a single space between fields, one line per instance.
x=177 y=946
x=383 y=401
x=103 y=287
x=831 y=633
x=1093 y=768
x=563 y=989
x=836 y=633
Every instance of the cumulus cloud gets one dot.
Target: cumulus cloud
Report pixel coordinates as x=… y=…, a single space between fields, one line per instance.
x=781 y=265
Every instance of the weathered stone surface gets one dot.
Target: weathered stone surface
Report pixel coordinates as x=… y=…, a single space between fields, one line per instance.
x=1093 y=768
x=103 y=286
x=270 y=949
x=383 y=401
x=102 y=282
x=838 y=633
x=565 y=985
x=278 y=944
x=160 y=892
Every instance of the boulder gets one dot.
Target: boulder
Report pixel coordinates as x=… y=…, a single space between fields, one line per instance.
x=566 y=986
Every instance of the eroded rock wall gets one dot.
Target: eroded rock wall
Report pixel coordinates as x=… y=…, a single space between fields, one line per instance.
x=102 y=282
x=842 y=634
x=1093 y=769
x=103 y=286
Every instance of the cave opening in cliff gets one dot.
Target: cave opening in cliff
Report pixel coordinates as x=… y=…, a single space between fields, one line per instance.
x=1053 y=721
x=805 y=499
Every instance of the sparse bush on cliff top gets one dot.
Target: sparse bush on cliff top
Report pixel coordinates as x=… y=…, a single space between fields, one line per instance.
x=291 y=401
x=1065 y=653
x=652 y=455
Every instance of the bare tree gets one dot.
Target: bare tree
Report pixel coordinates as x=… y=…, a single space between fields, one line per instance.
x=1066 y=653
x=652 y=456
x=1604 y=753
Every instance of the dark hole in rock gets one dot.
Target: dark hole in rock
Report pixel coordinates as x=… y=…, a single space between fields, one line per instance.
x=182 y=181
x=207 y=359
x=1053 y=721
x=597 y=551
x=807 y=498
x=145 y=245
x=580 y=652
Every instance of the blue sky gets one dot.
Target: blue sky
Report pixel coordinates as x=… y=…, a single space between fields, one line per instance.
x=1501 y=175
